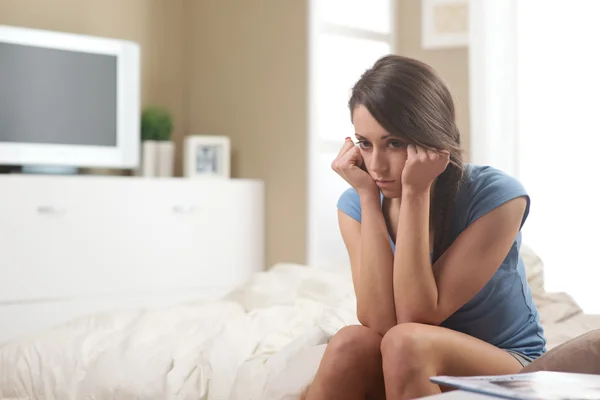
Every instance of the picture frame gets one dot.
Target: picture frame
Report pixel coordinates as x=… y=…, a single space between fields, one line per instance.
x=444 y=24
x=207 y=156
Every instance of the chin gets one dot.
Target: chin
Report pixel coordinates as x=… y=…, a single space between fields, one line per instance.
x=391 y=193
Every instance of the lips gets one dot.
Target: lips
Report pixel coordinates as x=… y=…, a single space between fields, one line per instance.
x=383 y=182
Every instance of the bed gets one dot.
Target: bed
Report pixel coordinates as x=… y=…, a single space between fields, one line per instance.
x=263 y=340
x=231 y=348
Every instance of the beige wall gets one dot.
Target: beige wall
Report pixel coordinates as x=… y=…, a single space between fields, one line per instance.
x=155 y=24
x=248 y=80
x=451 y=64
x=226 y=67
x=236 y=68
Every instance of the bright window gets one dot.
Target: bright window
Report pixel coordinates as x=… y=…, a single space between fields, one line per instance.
x=369 y=16
x=559 y=140
x=340 y=62
x=346 y=38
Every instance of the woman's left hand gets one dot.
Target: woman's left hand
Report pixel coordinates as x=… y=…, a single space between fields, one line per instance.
x=422 y=167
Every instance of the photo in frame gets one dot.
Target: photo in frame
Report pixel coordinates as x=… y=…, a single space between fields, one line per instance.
x=207 y=156
x=444 y=23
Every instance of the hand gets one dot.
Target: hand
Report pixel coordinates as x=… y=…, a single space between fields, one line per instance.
x=422 y=167
x=348 y=165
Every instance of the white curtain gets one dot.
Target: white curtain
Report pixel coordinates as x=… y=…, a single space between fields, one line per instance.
x=492 y=71
x=535 y=85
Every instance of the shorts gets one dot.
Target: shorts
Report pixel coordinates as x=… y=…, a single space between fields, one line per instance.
x=522 y=359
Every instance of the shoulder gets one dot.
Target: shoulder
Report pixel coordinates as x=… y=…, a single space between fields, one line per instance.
x=349 y=203
x=486 y=188
x=483 y=178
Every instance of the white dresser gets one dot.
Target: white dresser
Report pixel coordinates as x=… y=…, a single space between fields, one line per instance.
x=70 y=245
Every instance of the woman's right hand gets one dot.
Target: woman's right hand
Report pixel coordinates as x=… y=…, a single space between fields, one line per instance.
x=348 y=165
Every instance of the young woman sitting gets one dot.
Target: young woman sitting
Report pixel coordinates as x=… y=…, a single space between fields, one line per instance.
x=433 y=244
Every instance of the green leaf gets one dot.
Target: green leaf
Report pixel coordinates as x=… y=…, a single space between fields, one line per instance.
x=156 y=124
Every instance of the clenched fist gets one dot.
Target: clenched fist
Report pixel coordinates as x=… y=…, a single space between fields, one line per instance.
x=422 y=167
x=348 y=165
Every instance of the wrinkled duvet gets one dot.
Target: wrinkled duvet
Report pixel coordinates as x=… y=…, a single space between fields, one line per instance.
x=263 y=341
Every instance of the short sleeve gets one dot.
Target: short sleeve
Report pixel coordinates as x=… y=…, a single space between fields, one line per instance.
x=492 y=188
x=349 y=204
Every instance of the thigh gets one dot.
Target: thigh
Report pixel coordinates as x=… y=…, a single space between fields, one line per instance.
x=449 y=352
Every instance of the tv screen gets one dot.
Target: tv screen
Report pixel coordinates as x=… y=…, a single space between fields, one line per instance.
x=52 y=96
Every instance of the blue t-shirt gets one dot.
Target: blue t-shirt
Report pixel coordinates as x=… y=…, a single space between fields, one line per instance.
x=503 y=312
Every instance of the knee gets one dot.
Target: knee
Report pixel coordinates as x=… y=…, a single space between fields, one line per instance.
x=406 y=347
x=355 y=342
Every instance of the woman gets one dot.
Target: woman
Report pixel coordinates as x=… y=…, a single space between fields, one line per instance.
x=433 y=244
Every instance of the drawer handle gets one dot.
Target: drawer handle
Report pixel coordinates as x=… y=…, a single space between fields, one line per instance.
x=184 y=209
x=51 y=210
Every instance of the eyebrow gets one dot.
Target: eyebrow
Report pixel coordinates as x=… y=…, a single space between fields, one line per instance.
x=383 y=137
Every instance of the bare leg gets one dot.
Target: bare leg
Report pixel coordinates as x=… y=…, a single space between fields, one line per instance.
x=412 y=353
x=350 y=368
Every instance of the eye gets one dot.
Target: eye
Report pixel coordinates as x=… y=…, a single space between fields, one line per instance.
x=363 y=144
x=396 y=144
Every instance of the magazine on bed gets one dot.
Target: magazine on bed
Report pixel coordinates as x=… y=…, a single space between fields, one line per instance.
x=541 y=385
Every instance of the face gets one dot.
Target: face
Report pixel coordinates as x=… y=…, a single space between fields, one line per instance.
x=384 y=155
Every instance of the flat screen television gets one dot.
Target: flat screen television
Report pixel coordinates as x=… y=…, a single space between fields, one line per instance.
x=68 y=100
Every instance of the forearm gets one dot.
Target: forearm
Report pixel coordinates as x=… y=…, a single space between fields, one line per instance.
x=375 y=294
x=415 y=290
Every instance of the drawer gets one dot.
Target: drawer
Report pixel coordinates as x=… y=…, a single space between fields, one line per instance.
x=80 y=236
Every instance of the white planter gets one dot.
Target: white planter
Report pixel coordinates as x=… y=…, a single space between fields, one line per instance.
x=149 y=158
x=165 y=158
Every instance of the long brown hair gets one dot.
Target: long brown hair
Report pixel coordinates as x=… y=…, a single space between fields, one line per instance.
x=409 y=99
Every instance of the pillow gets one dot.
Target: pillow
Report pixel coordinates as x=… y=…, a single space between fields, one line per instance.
x=534 y=268
x=578 y=355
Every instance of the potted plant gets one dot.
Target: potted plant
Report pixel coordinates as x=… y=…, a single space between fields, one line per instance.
x=157 y=147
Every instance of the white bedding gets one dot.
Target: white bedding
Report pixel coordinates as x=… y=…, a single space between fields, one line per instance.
x=263 y=341
x=241 y=347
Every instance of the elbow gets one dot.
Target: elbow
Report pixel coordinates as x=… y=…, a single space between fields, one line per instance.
x=425 y=310
x=380 y=328
x=379 y=324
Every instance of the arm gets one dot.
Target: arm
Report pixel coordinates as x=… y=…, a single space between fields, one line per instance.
x=430 y=294
x=371 y=259
x=415 y=289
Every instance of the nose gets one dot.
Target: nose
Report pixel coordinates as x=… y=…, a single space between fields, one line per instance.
x=378 y=164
